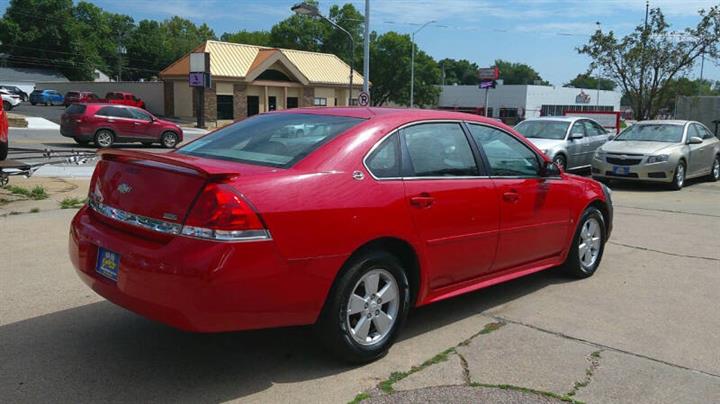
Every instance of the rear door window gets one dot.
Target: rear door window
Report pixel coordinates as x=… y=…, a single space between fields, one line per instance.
x=276 y=140
x=439 y=150
x=137 y=114
x=114 y=112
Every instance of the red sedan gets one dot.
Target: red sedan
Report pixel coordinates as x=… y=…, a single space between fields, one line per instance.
x=106 y=124
x=3 y=133
x=366 y=214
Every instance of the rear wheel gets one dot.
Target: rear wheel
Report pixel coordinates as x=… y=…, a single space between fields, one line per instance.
x=7 y=106
x=3 y=150
x=715 y=169
x=366 y=307
x=588 y=245
x=104 y=138
x=679 y=177
x=169 y=140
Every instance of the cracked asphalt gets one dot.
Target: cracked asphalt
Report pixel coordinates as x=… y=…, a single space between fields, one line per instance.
x=644 y=329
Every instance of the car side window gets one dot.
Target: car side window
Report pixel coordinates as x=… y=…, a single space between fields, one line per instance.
x=384 y=162
x=508 y=156
x=693 y=131
x=703 y=133
x=104 y=111
x=439 y=150
x=140 y=115
x=578 y=128
x=593 y=129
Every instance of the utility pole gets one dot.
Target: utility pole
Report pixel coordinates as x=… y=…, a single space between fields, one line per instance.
x=641 y=114
x=412 y=63
x=366 y=49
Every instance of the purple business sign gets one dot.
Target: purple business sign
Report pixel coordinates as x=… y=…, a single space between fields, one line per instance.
x=486 y=84
x=196 y=79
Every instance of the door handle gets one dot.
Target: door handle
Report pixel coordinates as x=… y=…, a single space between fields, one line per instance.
x=111 y=120
x=137 y=123
x=423 y=200
x=511 y=197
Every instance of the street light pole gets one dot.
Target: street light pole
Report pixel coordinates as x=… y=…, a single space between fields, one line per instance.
x=412 y=63
x=312 y=11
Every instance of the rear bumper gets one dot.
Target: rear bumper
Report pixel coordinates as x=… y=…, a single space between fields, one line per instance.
x=198 y=285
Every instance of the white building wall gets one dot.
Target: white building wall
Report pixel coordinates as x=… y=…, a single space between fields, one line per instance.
x=537 y=96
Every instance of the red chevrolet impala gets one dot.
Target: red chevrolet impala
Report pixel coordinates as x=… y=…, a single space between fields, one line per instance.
x=342 y=217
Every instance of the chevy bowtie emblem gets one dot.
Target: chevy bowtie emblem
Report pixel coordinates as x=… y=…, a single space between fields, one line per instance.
x=124 y=188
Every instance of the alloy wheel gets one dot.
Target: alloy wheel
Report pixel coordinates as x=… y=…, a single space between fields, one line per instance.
x=373 y=306
x=716 y=168
x=590 y=242
x=169 y=140
x=680 y=175
x=104 y=139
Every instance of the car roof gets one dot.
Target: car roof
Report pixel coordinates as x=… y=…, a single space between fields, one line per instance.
x=558 y=118
x=409 y=114
x=663 y=122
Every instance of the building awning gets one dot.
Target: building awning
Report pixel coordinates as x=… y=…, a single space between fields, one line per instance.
x=246 y=62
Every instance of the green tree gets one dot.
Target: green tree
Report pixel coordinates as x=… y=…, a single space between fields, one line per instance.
x=685 y=87
x=459 y=71
x=646 y=60
x=585 y=80
x=261 y=38
x=43 y=33
x=518 y=73
x=390 y=72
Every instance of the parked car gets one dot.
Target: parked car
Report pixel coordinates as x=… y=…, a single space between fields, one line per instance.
x=106 y=124
x=4 y=142
x=123 y=98
x=47 y=97
x=569 y=141
x=9 y=101
x=74 y=97
x=15 y=90
x=660 y=151
x=389 y=210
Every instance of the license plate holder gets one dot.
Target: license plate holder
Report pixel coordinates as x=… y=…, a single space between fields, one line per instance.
x=621 y=170
x=108 y=264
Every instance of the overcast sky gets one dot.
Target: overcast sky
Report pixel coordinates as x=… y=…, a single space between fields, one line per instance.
x=541 y=33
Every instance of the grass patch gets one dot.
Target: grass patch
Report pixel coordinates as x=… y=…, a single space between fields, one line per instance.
x=528 y=390
x=72 y=203
x=360 y=397
x=36 y=193
x=34 y=210
x=387 y=385
x=489 y=327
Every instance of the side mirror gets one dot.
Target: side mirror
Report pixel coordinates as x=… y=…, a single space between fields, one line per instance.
x=576 y=135
x=611 y=137
x=695 y=140
x=550 y=169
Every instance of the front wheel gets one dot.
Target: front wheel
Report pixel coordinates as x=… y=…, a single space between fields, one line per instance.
x=169 y=140
x=715 y=169
x=3 y=151
x=560 y=161
x=679 y=177
x=366 y=308
x=7 y=106
x=588 y=245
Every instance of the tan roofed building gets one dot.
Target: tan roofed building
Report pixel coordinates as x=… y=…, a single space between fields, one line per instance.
x=248 y=79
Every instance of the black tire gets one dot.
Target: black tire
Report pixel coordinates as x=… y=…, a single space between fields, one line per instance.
x=333 y=324
x=715 y=170
x=3 y=151
x=169 y=140
x=101 y=137
x=6 y=106
x=574 y=265
x=33 y=103
x=560 y=161
x=81 y=142
x=680 y=171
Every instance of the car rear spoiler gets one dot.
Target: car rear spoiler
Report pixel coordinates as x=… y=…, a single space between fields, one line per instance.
x=171 y=161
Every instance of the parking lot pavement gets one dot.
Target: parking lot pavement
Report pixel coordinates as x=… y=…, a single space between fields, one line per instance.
x=643 y=329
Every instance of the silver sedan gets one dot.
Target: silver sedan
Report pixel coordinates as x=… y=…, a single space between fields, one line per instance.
x=569 y=141
x=660 y=151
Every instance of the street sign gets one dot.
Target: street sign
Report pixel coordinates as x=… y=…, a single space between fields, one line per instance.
x=198 y=79
x=363 y=99
x=485 y=84
x=488 y=73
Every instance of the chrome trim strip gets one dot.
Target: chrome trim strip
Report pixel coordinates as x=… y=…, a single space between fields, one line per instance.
x=177 y=229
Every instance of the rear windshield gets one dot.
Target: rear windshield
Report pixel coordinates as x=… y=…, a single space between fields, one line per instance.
x=276 y=140
x=543 y=129
x=75 y=109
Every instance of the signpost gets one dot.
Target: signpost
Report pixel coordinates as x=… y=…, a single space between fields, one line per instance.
x=199 y=77
x=363 y=99
x=487 y=76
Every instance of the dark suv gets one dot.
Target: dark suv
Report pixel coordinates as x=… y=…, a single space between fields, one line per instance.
x=106 y=124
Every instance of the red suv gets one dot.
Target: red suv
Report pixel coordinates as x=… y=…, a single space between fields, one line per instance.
x=74 y=97
x=3 y=133
x=123 y=98
x=106 y=124
x=367 y=213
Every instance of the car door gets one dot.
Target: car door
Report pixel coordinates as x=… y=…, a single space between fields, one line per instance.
x=142 y=124
x=534 y=212
x=577 y=147
x=702 y=154
x=118 y=119
x=597 y=136
x=455 y=210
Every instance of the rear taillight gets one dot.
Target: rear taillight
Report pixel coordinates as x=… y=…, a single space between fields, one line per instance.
x=221 y=214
